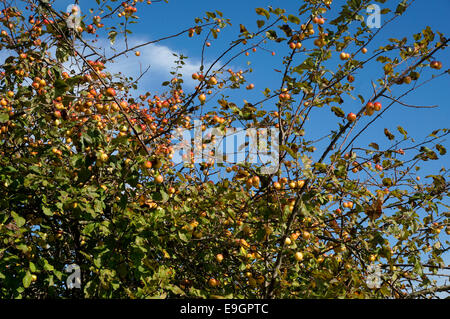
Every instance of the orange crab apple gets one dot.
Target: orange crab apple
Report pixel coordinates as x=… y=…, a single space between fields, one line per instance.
x=148 y=164
x=110 y=92
x=436 y=65
x=159 y=179
x=202 y=98
x=298 y=256
x=351 y=117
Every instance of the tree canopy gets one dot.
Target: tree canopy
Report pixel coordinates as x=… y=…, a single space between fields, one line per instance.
x=92 y=177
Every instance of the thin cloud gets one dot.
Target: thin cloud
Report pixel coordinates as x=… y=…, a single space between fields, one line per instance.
x=161 y=60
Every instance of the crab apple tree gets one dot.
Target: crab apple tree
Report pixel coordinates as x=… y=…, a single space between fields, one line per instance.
x=89 y=174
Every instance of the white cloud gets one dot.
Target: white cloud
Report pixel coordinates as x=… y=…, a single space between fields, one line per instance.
x=160 y=58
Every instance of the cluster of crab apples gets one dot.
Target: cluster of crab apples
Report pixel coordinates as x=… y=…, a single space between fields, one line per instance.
x=370 y=108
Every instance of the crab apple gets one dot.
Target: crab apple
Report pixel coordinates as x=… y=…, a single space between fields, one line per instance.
x=364 y=50
x=219 y=257
x=110 y=92
x=213 y=282
x=350 y=78
x=378 y=167
x=344 y=56
x=148 y=164
x=377 y=106
x=436 y=65
x=287 y=241
x=103 y=157
x=294 y=236
x=212 y=80
x=202 y=98
x=277 y=185
x=306 y=235
x=137 y=53
x=159 y=179
x=255 y=181
x=351 y=117
x=298 y=256
x=292 y=45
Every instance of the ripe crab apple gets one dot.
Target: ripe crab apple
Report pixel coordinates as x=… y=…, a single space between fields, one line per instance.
x=159 y=179
x=148 y=164
x=202 y=98
x=436 y=65
x=364 y=50
x=212 y=80
x=351 y=117
x=298 y=256
x=277 y=185
x=219 y=257
x=213 y=282
x=110 y=92
x=377 y=106
x=344 y=56
x=306 y=235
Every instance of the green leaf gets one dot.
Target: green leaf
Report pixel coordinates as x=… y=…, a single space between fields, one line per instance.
x=4 y=117
x=32 y=267
x=260 y=23
x=47 y=211
x=20 y=221
x=112 y=36
x=263 y=12
x=338 y=111
x=27 y=279
x=165 y=196
x=271 y=35
x=441 y=149
x=388 y=134
x=402 y=131
x=293 y=19
x=401 y=7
